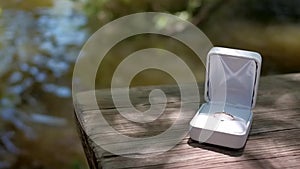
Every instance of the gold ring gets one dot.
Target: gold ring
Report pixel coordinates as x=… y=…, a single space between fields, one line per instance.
x=225 y=113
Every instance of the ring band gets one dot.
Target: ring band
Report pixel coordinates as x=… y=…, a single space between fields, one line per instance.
x=225 y=113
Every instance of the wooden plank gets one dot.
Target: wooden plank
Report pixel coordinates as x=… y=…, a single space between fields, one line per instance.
x=260 y=148
x=85 y=140
x=273 y=142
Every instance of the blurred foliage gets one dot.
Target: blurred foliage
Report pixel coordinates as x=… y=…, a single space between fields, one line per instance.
x=103 y=11
x=100 y=12
x=271 y=10
x=107 y=10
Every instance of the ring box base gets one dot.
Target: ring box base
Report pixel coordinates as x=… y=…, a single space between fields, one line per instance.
x=217 y=134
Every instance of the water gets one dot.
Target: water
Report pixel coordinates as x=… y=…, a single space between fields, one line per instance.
x=38 y=47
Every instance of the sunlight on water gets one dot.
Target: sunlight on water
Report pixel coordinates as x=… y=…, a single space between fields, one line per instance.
x=38 y=47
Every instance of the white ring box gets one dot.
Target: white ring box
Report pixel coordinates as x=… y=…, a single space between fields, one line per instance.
x=232 y=78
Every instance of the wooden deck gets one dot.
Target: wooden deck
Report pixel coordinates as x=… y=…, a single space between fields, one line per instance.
x=274 y=140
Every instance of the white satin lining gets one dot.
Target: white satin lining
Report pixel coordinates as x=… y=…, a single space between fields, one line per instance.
x=231 y=80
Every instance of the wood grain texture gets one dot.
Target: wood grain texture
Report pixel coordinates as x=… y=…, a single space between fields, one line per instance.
x=274 y=140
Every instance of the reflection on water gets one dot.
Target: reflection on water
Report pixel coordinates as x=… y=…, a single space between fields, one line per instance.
x=38 y=48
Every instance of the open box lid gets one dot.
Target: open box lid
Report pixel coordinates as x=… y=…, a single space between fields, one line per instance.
x=232 y=77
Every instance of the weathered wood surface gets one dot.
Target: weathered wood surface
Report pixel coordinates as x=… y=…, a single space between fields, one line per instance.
x=274 y=140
